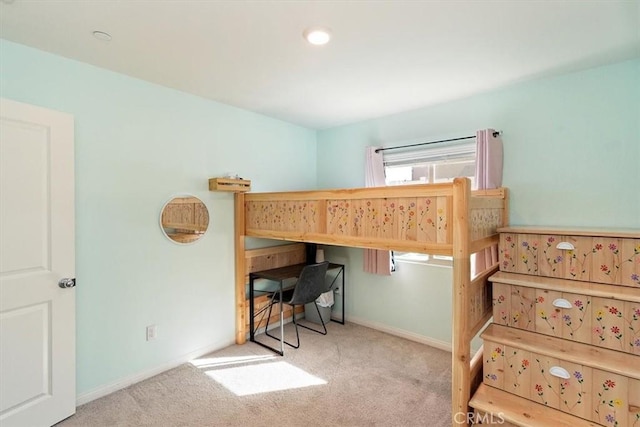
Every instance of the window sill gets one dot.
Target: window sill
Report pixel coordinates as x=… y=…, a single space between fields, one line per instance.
x=429 y=262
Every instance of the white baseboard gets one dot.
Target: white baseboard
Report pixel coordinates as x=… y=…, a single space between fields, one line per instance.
x=412 y=336
x=136 y=378
x=141 y=376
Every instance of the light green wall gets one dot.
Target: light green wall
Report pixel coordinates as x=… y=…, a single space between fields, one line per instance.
x=138 y=144
x=571 y=153
x=572 y=158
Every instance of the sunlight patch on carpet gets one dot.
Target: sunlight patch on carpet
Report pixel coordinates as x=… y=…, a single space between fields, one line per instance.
x=263 y=378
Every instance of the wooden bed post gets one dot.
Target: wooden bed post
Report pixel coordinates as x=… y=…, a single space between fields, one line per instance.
x=241 y=297
x=461 y=345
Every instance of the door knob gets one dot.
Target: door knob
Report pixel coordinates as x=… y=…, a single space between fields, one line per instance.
x=67 y=283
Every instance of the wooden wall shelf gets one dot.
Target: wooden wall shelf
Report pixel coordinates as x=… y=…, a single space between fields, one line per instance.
x=228 y=184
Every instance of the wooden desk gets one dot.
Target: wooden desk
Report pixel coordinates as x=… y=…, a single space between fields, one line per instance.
x=280 y=275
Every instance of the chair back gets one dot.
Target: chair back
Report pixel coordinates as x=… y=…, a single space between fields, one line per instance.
x=310 y=284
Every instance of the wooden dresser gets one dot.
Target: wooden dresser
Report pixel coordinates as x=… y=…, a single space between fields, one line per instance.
x=564 y=345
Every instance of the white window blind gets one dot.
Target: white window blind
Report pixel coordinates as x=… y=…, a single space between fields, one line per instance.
x=429 y=154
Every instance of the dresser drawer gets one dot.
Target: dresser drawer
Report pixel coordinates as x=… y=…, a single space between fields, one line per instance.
x=607 y=260
x=599 y=385
x=612 y=323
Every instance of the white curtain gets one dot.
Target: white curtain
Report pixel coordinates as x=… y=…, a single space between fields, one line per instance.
x=375 y=261
x=488 y=176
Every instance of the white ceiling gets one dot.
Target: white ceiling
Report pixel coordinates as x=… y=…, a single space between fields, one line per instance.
x=385 y=56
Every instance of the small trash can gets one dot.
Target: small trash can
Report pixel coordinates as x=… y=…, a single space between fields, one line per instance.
x=325 y=302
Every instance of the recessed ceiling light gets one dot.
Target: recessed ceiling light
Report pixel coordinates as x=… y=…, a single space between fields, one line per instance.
x=317 y=35
x=101 y=35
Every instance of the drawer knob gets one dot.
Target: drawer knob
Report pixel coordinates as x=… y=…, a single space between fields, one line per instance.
x=562 y=303
x=566 y=246
x=559 y=372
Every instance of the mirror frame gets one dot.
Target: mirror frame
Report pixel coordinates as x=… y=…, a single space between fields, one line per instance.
x=197 y=213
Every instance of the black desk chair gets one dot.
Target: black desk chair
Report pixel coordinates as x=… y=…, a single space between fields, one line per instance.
x=310 y=285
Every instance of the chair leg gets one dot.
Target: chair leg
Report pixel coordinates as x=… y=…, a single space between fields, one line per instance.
x=321 y=321
x=293 y=312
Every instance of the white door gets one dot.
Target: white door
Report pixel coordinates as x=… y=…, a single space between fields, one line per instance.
x=37 y=317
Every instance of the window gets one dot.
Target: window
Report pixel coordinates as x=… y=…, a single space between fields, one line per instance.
x=426 y=165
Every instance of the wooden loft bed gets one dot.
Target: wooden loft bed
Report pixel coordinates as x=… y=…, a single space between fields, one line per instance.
x=439 y=219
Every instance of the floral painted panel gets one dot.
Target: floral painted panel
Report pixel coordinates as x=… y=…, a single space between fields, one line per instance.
x=426 y=219
x=493 y=368
x=630 y=262
x=338 y=217
x=527 y=259
x=545 y=388
x=443 y=230
x=548 y=317
x=501 y=304
x=606 y=260
x=523 y=308
x=631 y=316
x=576 y=321
x=388 y=210
x=578 y=260
x=610 y=393
x=484 y=222
x=406 y=224
x=357 y=218
x=608 y=324
x=571 y=395
x=517 y=371
x=508 y=252
x=634 y=402
x=575 y=396
x=373 y=217
x=551 y=260
x=310 y=216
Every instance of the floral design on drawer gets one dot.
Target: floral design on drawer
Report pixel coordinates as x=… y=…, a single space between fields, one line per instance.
x=608 y=324
x=574 y=391
x=548 y=317
x=578 y=259
x=634 y=402
x=631 y=318
x=610 y=393
x=577 y=320
x=616 y=261
x=523 y=308
x=508 y=252
x=501 y=303
x=517 y=372
x=527 y=261
x=630 y=266
x=551 y=259
x=563 y=315
x=562 y=385
x=493 y=365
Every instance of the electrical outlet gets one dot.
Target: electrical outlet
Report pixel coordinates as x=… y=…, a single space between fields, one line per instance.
x=151 y=332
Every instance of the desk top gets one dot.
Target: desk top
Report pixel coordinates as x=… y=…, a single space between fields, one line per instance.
x=288 y=272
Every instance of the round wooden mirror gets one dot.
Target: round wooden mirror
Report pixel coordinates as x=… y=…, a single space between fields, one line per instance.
x=184 y=219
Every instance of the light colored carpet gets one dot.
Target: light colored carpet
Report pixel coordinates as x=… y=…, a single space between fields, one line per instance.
x=354 y=376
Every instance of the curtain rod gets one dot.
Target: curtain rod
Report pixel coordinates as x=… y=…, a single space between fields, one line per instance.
x=432 y=142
